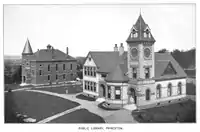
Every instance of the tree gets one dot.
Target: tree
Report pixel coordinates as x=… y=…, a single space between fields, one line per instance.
x=163 y=51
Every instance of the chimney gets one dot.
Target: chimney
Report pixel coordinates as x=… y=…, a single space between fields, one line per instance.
x=67 y=51
x=115 y=48
x=121 y=49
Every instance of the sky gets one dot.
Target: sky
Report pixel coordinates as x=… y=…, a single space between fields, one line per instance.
x=85 y=28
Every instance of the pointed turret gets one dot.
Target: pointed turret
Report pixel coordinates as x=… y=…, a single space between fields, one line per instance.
x=140 y=32
x=27 y=48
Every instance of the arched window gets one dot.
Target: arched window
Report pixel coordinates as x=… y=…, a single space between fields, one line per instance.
x=148 y=94
x=179 y=88
x=169 y=89
x=158 y=91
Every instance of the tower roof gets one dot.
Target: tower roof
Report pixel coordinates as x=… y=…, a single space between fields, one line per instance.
x=139 y=29
x=27 y=48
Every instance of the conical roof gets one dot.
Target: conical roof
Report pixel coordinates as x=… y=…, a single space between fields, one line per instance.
x=27 y=48
x=140 y=27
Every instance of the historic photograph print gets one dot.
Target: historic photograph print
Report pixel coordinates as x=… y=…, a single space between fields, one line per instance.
x=99 y=63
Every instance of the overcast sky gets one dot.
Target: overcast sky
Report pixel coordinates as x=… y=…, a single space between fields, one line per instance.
x=85 y=28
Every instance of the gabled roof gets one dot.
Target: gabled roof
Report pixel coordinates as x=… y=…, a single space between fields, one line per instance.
x=140 y=26
x=117 y=74
x=161 y=62
x=51 y=54
x=105 y=61
x=116 y=66
x=27 y=48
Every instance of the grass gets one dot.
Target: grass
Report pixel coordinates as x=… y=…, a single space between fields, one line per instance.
x=72 y=89
x=34 y=105
x=186 y=112
x=79 y=116
x=81 y=96
x=190 y=89
x=14 y=86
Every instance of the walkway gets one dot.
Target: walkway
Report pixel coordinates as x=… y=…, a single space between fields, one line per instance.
x=119 y=116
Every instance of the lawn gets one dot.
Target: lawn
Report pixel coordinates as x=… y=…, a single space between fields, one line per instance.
x=72 y=89
x=186 y=112
x=81 y=96
x=34 y=105
x=79 y=116
x=14 y=86
x=190 y=89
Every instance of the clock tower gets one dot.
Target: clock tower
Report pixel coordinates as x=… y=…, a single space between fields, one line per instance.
x=140 y=44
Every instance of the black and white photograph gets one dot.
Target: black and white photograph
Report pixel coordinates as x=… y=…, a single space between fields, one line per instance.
x=99 y=63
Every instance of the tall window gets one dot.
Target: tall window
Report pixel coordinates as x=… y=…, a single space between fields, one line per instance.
x=70 y=66
x=63 y=66
x=109 y=92
x=94 y=87
x=63 y=76
x=134 y=73
x=91 y=70
x=158 y=91
x=85 y=70
x=147 y=73
x=48 y=77
x=40 y=72
x=85 y=85
x=148 y=94
x=95 y=71
x=169 y=89
x=56 y=67
x=179 y=88
x=117 y=93
x=49 y=67
x=56 y=76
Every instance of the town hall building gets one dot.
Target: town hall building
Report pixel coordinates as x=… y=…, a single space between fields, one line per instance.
x=47 y=66
x=137 y=76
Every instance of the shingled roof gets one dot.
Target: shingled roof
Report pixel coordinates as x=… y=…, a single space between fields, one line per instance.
x=27 y=48
x=116 y=66
x=139 y=28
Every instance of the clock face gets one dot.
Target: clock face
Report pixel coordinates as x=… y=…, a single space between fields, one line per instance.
x=147 y=52
x=134 y=52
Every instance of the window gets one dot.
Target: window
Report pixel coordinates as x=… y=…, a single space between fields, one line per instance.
x=89 y=86
x=94 y=87
x=40 y=65
x=85 y=85
x=95 y=71
x=179 y=88
x=89 y=58
x=147 y=73
x=148 y=94
x=145 y=34
x=48 y=67
x=134 y=73
x=56 y=76
x=103 y=75
x=70 y=66
x=169 y=89
x=85 y=70
x=88 y=72
x=117 y=93
x=56 y=67
x=63 y=76
x=158 y=91
x=91 y=71
x=48 y=77
x=63 y=66
x=109 y=92
x=40 y=72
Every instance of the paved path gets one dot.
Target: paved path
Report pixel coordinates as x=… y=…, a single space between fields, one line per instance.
x=125 y=116
x=59 y=115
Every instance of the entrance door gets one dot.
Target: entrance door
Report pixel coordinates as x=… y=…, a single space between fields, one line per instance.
x=133 y=95
x=24 y=79
x=102 y=90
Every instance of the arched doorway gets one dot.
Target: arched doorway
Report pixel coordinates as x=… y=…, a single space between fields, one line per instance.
x=132 y=94
x=102 y=90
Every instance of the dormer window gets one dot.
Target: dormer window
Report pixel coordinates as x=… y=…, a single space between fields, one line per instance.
x=134 y=33
x=147 y=33
x=89 y=58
